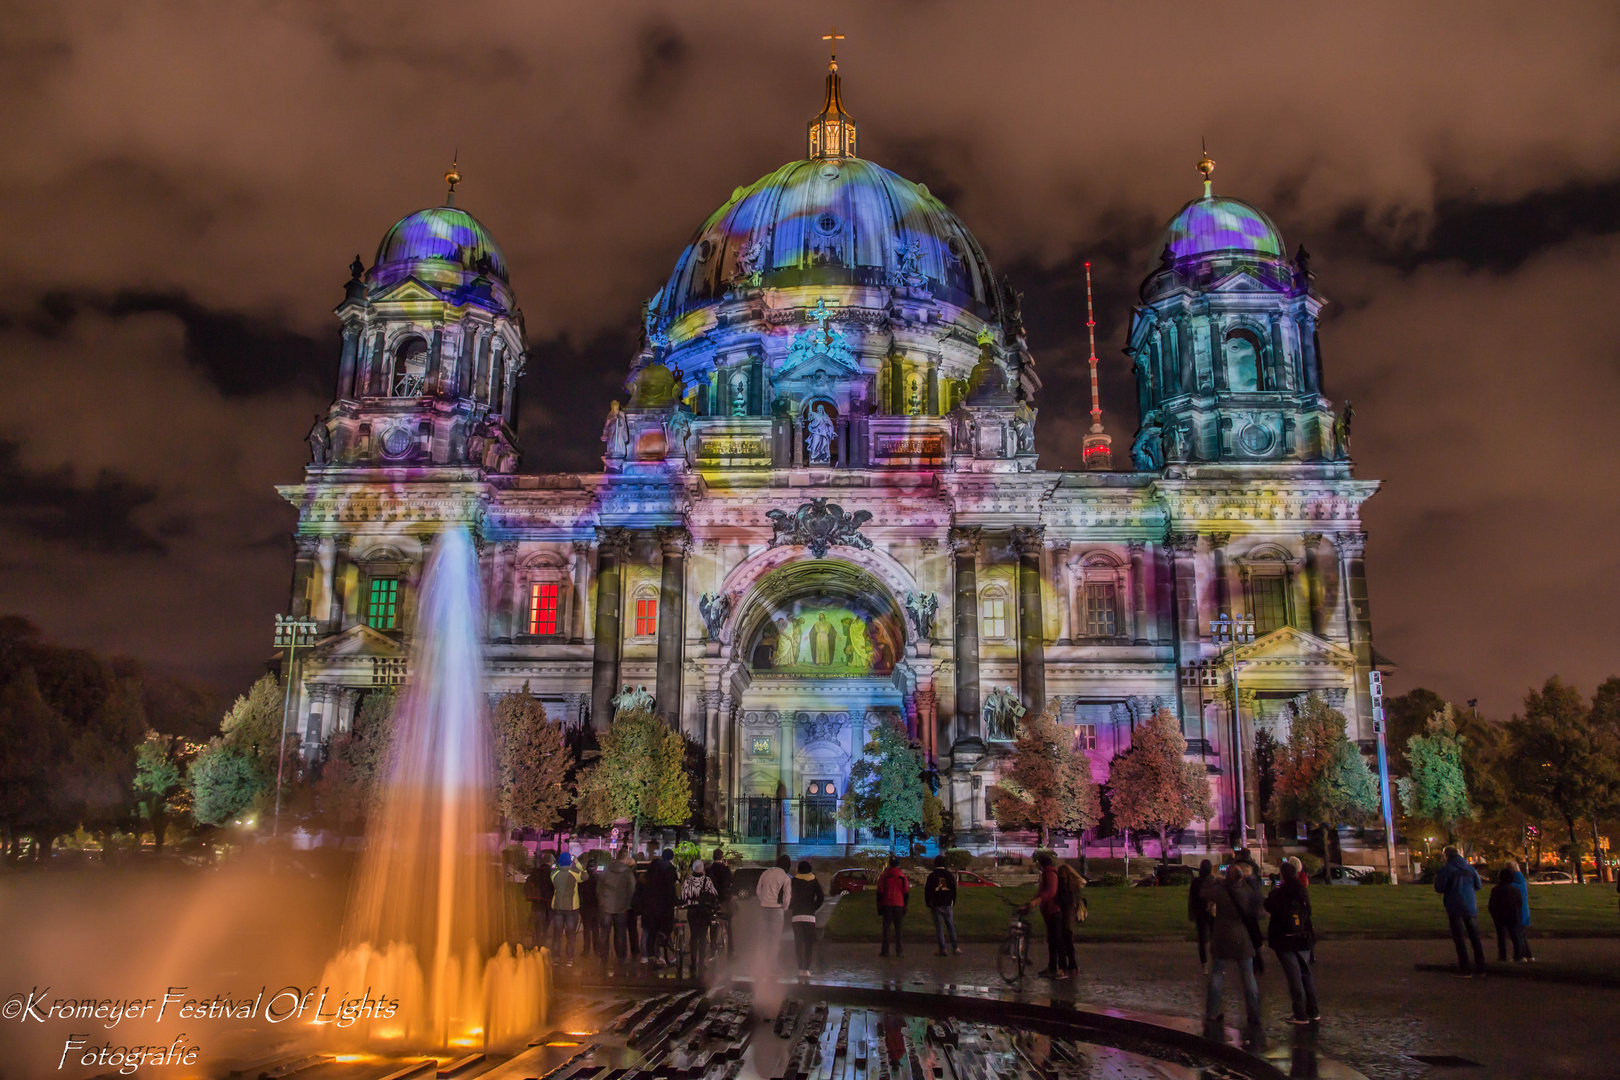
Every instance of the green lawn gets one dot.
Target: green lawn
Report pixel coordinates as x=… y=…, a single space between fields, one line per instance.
x=1137 y=914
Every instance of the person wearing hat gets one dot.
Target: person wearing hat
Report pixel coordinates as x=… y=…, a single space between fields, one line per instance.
x=565 y=905
x=702 y=901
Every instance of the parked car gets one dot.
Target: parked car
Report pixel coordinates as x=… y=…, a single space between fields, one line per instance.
x=1345 y=875
x=744 y=880
x=851 y=880
x=967 y=879
x=1551 y=877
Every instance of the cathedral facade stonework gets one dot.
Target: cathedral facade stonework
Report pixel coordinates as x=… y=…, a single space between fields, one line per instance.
x=820 y=503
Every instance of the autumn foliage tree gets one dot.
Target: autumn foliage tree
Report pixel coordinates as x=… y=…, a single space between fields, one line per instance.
x=640 y=776
x=532 y=758
x=1322 y=778
x=1047 y=783
x=1152 y=787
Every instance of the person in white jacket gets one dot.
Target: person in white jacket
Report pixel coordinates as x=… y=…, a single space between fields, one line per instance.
x=774 y=892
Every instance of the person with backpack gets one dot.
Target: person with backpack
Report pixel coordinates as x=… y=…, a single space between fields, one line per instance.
x=1051 y=908
x=1458 y=882
x=939 y=894
x=702 y=902
x=807 y=897
x=1071 y=898
x=614 y=894
x=565 y=904
x=1233 y=908
x=1290 y=936
x=893 y=893
x=1198 y=913
x=720 y=874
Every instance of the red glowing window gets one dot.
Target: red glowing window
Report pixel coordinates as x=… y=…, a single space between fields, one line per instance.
x=543 y=607
x=646 y=616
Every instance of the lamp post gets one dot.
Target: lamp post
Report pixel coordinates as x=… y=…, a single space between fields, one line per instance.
x=292 y=633
x=1228 y=633
x=1375 y=684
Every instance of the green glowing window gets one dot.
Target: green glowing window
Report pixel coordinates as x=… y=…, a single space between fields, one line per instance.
x=543 y=607
x=382 y=610
x=1101 y=618
x=1269 y=600
x=646 y=616
x=993 y=617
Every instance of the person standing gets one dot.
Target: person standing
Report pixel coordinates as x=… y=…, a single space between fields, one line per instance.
x=720 y=874
x=1232 y=907
x=893 y=893
x=701 y=901
x=537 y=891
x=939 y=893
x=1290 y=935
x=1071 y=898
x=1458 y=882
x=1198 y=912
x=1051 y=908
x=613 y=895
x=590 y=911
x=663 y=889
x=1523 y=888
x=774 y=892
x=806 y=899
x=565 y=905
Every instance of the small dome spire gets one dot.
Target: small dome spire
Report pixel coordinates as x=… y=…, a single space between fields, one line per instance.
x=1206 y=165
x=832 y=133
x=452 y=177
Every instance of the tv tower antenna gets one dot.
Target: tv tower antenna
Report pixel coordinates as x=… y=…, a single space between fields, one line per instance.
x=1096 y=452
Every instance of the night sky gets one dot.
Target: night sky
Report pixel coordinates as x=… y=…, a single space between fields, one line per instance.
x=187 y=184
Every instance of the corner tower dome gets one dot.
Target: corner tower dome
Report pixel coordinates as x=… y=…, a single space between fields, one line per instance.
x=438 y=244
x=1216 y=225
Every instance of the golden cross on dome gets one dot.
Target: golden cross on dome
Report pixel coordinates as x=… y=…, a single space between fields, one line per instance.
x=835 y=37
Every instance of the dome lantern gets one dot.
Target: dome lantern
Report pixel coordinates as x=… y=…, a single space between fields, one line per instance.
x=831 y=134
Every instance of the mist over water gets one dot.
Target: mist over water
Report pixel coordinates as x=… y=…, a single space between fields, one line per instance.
x=427 y=919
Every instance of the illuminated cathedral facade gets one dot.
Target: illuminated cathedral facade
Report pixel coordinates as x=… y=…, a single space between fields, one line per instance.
x=820 y=503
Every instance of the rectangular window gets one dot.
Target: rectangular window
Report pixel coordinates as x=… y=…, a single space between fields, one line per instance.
x=382 y=609
x=646 y=616
x=1100 y=609
x=543 y=607
x=1267 y=593
x=994 y=621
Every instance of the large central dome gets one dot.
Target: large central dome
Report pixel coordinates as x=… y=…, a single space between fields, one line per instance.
x=830 y=222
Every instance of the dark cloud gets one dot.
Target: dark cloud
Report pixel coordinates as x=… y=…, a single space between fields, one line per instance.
x=52 y=505
x=186 y=187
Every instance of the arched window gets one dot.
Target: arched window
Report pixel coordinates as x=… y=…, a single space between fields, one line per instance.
x=1243 y=353
x=994 y=615
x=410 y=368
x=1100 y=588
x=646 y=612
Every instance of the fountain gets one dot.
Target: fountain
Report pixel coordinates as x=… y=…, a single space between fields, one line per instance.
x=427 y=918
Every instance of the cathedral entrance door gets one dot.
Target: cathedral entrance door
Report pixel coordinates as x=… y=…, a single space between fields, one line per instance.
x=761 y=823
x=820 y=817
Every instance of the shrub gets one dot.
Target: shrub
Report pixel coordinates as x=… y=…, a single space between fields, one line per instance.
x=1312 y=865
x=1375 y=877
x=1049 y=853
x=1107 y=881
x=958 y=858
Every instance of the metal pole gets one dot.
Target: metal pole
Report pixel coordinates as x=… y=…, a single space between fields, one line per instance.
x=1237 y=753
x=1375 y=684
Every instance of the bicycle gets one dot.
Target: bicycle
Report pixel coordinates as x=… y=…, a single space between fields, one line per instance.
x=1012 y=960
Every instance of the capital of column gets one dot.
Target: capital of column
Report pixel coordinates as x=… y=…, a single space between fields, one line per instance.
x=1310 y=540
x=1218 y=539
x=612 y=541
x=306 y=545
x=1351 y=545
x=1028 y=539
x=674 y=540
x=964 y=540
x=1182 y=543
x=506 y=547
x=1136 y=548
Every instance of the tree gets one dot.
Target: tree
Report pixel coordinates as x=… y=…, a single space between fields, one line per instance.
x=640 y=775
x=159 y=776
x=224 y=781
x=886 y=790
x=356 y=761
x=1435 y=787
x=1407 y=715
x=254 y=724
x=1047 y=784
x=1153 y=787
x=1322 y=778
x=1561 y=763
x=533 y=761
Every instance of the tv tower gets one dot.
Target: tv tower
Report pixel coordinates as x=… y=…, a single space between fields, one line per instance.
x=1095 y=452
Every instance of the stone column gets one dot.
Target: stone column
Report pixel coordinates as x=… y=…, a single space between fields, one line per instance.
x=1281 y=377
x=1169 y=365
x=1063 y=586
x=1223 y=577
x=1184 y=571
x=728 y=782
x=506 y=594
x=1307 y=354
x=1027 y=542
x=435 y=361
x=580 y=571
x=787 y=734
x=305 y=551
x=321 y=603
x=927 y=705
x=1358 y=618
x=711 y=754
x=673 y=542
x=497 y=375
x=1184 y=353
x=346 y=365
x=612 y=546
x=1138 y=549
x=340 y=574
x=374 y=375
x=1315 y=586
x=965 y=544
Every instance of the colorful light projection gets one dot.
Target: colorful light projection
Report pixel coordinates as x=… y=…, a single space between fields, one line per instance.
x=817 y=636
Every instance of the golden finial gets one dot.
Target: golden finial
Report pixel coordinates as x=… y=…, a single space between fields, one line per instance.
x=1206 y=165
x=835 y=37
x=453 y=177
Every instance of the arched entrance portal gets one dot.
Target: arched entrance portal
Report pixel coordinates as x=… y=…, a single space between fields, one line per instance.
x=820 y=641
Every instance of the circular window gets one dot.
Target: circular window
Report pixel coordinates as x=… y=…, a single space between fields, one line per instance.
x=397 y=441
x=1255 y=439
x=704 y=250
x=829 y=171
x=827 y=224
x=955 y=245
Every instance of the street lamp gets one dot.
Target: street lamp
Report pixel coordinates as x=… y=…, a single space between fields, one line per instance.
x=292 y=633
x=1228 y=633
x=1375 y=686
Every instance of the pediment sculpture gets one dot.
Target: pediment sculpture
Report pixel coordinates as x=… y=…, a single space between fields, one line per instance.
x=819 y=525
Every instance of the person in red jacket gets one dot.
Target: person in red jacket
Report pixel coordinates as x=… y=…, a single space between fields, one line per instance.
x=1051 y=904
x=893 y=889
